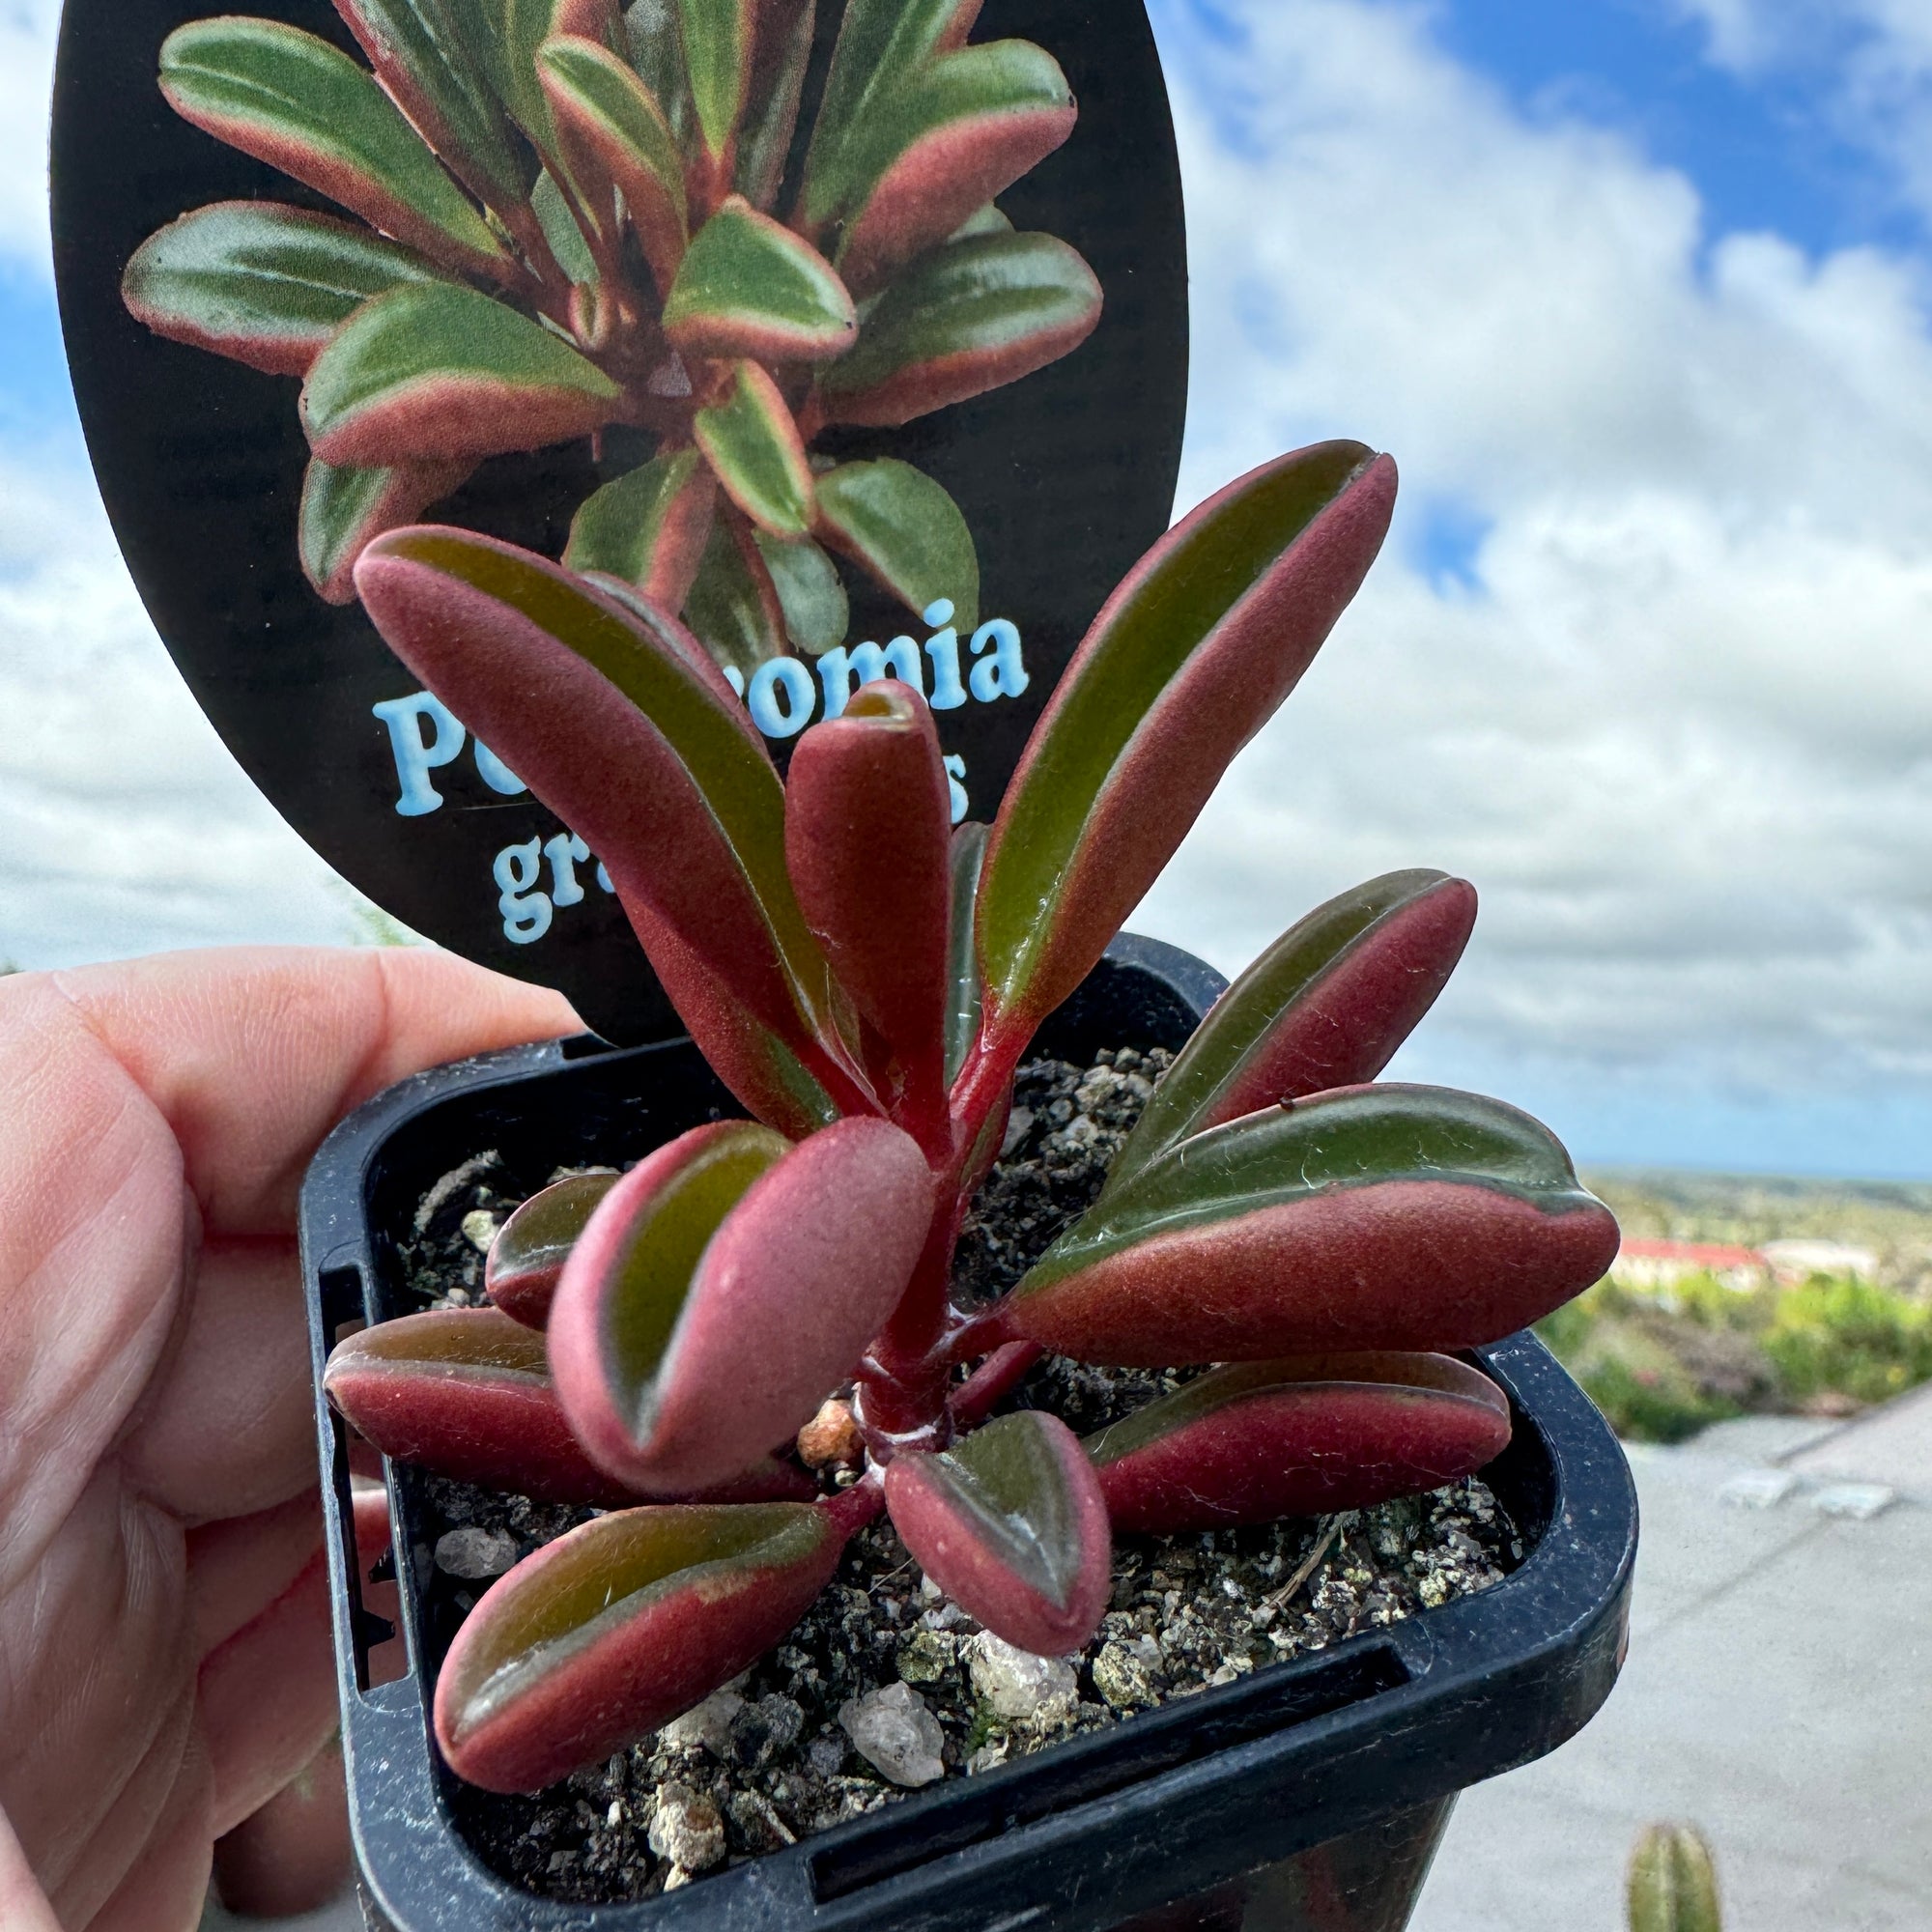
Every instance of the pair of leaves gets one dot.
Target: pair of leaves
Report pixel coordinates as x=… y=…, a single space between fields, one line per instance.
x=673 y=788
x=1255 y=1441
x=344 y=510
x=468 y=1392
x=724 y=1287
x=1373 y=1217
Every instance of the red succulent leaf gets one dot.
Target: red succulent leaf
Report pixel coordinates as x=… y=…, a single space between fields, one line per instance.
x=1325 y=1005
x=969 y=126
x=1189 y=658
x=1259 y=1440
x=868 y=838
x=674 y=790
x=611 y=1632
x=725 y=1286
x=749 y=287
x=649 y=528
x=531 y=1247
x=1374 y=1218
x=1010 y=1523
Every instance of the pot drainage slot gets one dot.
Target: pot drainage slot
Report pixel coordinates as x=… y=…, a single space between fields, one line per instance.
x=1100 y=1765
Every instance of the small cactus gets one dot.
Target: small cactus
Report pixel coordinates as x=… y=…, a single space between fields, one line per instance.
x=1673 y=1884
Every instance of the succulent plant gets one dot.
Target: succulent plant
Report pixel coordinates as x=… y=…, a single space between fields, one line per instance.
x=1673 y=1883
x=867 y=981
x=566 y=222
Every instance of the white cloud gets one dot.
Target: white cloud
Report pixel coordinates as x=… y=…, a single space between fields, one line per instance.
x=1679 y=726
x=124 y=824
x=27 y=33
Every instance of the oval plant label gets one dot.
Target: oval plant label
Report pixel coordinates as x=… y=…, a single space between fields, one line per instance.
x=855 y=332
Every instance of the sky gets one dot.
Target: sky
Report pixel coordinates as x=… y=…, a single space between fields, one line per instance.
x=1640 y=294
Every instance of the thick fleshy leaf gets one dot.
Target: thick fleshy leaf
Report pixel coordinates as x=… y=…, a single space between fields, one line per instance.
x=717 y=38
x=1375 y=1217
x=1259 y=1440
x=601 y=108
x=344 y=511
x=505 y=35
x=903 y=528
x=868 y=831
x=988 y=220
x=725 y=1286
x=431 y=373
x=750 y=439
x=303 y=106
x=962 y=972
x=262 y=283
x=938 y=150
x=749 y=287
x=656 y=45
x=970 y=317
x=816 y=611
x=527 y=1256
x=1189 y=658
x=562 y=229
x=1010 y=1523
x=882 y=47
x=1325 y=1005
x=675 y=792
x=420 y=58
x=649 y=528
x=1673 y=1883
x=733 y=605
x=611 y=1632
x=786 y=29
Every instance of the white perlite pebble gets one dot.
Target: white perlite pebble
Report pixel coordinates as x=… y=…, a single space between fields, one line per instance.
x=475 y=1554
x=709 y=1724
x=1017 y=1684
x=479 y=1228
x=687 y=1828
x=896 y=1734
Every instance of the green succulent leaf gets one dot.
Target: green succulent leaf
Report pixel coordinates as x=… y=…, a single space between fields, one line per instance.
x=969 y=126
x=560 y=230
x=883 y=45
x=737 y=617
x=718 y=38
x=988 y=220
x=962 y=1014
x=602 y=107
x=656 y=43
x=650 y=527
x=1375 y=1217
x=431 y=373
x=1193 y=652
x=530 y=1248
x=904 y=529
x=1673 y=1883
x=265 y=284
x=345 y=510
x=785 y=30
x=970 y=317
x=297 y=104
x=613 y=1630
x=750 y=440
x=749 y=287
x=420 y=57
x=816 y=612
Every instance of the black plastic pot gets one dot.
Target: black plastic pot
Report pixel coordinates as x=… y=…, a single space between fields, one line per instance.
x=1308 y=1796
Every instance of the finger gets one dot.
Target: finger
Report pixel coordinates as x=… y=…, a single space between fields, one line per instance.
x=168 y=1885
x=268 y=1698
x=294 y=1854
x=230 y=1430
x=251 y=1054
x=237 y=1569
x=23 y=1905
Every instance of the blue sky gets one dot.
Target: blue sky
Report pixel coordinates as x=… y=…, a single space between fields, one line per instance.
x=1639 y=293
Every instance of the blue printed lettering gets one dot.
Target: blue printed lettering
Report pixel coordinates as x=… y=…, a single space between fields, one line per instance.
x=417 y=755
x=1003 y=675
x=788 y=718
x=526 y=913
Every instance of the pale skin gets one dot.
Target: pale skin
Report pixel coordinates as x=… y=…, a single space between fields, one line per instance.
x=165 y=1661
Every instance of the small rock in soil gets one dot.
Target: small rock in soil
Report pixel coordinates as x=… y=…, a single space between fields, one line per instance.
x=1017 y=1684
x=894 y=1733
x=475 y=1554
x=687 y=1828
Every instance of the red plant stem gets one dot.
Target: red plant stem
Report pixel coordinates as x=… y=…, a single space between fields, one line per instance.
x=1005 y=1369
x=857 y=1508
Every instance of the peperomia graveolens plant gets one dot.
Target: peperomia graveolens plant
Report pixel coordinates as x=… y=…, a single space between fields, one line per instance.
x=572 y=219
x=867 y=981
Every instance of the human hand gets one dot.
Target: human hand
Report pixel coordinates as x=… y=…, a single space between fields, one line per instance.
x=164 y=1658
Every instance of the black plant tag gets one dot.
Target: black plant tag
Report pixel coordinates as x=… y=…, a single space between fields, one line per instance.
x=1063 y=474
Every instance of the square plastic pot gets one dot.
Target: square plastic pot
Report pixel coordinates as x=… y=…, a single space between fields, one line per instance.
x=1307 y=1797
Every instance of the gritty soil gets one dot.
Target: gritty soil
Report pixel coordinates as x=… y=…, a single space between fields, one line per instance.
x=885 y=1685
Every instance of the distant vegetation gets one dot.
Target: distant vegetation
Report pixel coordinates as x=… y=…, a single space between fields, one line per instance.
x=1664 y=1363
